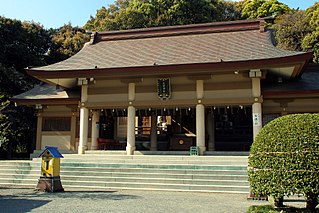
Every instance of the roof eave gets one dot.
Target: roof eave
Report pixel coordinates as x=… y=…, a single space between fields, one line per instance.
x=290 y=94
x=46 y=101
x=296 y=60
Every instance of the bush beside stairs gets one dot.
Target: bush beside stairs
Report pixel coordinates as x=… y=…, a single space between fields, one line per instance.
x=224 y=174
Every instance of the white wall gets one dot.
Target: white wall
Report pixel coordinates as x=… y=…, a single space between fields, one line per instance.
x=60 y=141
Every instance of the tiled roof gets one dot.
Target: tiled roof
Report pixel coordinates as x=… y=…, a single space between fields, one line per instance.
x=46 y=91
x=307 y=83
x=244 y=44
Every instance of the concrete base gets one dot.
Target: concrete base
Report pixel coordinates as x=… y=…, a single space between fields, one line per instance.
x=130 y=150
x=81 y=150
x=202 y=150
x=49 y=184
x=153 y=149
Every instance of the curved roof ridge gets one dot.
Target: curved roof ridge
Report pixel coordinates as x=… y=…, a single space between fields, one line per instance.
x=204 y=46
x=212 y=27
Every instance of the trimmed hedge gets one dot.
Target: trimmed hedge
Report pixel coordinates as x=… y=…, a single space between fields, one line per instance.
x=284 y=158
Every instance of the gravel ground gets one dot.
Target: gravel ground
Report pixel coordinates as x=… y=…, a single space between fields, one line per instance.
x=27 y=200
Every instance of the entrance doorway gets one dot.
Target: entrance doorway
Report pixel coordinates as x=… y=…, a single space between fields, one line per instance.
x=233 y=128
x=176 y=128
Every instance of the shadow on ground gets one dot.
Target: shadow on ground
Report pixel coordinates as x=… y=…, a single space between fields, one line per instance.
x=82 y=195
x=9 y=204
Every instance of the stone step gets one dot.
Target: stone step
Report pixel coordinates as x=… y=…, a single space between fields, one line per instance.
x=120 y=159
x=124 y=186
x=19 y=162
x=19 y=167
x=133 y=176
x=161 y=165
x=4 y=180
x=136 y=179
x=172 y=173
x=166 y=153
x=158 y=186
x=155 y=166
x=173 y=162
x=153 y=157
x=155 y=180
x=210 y=176
x=92 y=175
x=101 y=170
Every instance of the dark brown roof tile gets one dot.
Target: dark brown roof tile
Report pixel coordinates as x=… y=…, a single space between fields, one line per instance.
x=173 y=50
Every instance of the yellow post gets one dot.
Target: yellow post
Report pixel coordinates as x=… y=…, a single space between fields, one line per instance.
x=50 y=171
x=50 y=166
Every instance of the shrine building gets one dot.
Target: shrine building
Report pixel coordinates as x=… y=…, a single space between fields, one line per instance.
x=211 y=85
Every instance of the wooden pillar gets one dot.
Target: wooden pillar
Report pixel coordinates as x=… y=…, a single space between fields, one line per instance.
x=256 y=107
x=200 y=117
x=73 y=130
x=210 y=126
x=39 y=131
x=95 y=129
x=200 y=128
x=153 y=132
x=130 y=146
x=84 y=117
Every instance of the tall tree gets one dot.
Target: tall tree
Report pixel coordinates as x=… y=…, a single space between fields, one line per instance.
x=299 y=30
x=65 y=42
x=22 y=44
x=263 y=8
x=130 y=14
x=290 y=30
x=311 y=40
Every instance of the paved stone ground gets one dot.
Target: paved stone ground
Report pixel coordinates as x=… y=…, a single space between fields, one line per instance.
x=27 y=200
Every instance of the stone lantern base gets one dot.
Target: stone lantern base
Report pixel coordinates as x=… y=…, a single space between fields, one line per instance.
x=49 y=184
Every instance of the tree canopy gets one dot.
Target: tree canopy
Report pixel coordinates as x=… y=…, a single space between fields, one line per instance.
x=262 y=8
x=24 y=44
x=65 y=42
x=294 y=29
x=290 y=29
x=130 y=14
x=299 y=30
x=311 y=40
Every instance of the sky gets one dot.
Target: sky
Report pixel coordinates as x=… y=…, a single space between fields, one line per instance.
x=55 y=13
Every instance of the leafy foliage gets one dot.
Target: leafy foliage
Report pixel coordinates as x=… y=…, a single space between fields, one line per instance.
x=311 y=40
x=271 y=209
x=65 y=42
x=290 y=30
x=263 y=8
x=130 y=14
x=299 y=30
x=17 y=127
x=284 y=157
x=24 y=44
x=261 y=209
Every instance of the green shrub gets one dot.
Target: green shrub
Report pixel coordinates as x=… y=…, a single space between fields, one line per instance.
x=284 y=158
x=270 y=209
x=261 y=209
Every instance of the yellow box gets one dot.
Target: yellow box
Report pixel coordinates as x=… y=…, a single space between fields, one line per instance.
x=50 y=166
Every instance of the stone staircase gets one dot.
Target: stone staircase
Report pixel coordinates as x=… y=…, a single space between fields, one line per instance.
x=113 y=170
